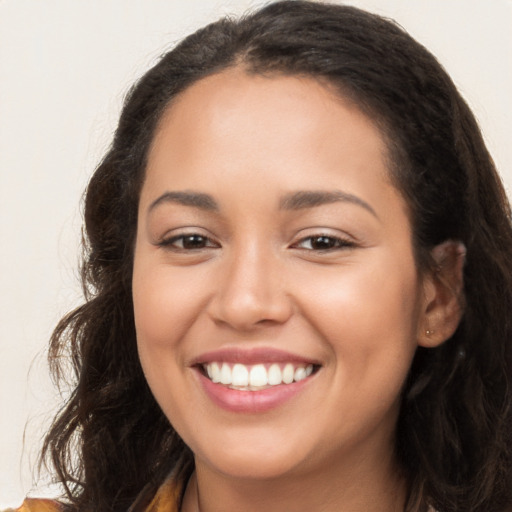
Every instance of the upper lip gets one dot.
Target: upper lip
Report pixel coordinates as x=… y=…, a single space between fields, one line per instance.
x=251 y=356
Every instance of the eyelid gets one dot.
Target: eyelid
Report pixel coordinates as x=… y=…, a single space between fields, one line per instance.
x=342 y=242
x=169 y=239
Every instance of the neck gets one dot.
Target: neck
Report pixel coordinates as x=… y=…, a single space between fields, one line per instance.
x=355 y=486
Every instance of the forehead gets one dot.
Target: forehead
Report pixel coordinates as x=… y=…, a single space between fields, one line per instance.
x=255 y=117
x=249 y=142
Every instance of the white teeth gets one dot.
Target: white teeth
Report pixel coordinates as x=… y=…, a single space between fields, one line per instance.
x=275 y=377
x=288 y=373
x=258 y=376
x=300 y=374
x=225 y=374
x=240 y=375
x=214 y=370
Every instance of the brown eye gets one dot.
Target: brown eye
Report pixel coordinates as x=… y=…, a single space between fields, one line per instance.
x=323 y=243
x=194 y=242
x=188 y=242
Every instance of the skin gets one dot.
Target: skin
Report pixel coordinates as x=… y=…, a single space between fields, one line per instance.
x=257 y=279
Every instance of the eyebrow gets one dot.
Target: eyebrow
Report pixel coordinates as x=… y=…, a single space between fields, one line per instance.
x=299 y=200
x=187 y=198
x=311 y=198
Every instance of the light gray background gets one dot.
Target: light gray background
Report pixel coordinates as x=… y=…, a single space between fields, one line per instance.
x=64 y=68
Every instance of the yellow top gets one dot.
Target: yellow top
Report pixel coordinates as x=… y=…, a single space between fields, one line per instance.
x=165 y=500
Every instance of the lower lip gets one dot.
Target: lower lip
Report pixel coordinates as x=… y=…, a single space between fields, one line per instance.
x=235 y=400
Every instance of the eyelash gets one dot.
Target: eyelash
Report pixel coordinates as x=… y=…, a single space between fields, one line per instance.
x=170 y=243
x=331 y=243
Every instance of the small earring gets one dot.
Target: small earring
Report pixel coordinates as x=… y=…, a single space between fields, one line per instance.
x=428 y=332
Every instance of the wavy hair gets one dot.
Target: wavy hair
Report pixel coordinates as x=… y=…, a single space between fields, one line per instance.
x=111 y=445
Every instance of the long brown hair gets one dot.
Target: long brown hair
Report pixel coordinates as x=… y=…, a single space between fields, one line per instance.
x=111 y=442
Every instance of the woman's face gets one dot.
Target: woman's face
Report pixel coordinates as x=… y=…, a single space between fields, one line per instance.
x=277 y=300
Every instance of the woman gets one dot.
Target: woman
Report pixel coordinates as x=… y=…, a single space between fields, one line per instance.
x=298 y=281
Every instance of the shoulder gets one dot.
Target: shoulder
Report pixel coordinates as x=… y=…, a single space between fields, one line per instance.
x=167 y=497
x=37 y=505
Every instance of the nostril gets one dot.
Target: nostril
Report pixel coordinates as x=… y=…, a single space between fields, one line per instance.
x=248 y=313
x=249 y=289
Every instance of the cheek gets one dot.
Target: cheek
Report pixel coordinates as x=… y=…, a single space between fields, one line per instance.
x=167 y=307
x=369 y=323
x=165 y=303
x=163 y=308
x=368 y=315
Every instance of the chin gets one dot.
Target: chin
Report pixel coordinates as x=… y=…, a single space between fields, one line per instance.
x=252 y=459
x=256 y=468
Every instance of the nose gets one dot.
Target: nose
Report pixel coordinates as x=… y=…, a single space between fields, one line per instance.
x=251 y=291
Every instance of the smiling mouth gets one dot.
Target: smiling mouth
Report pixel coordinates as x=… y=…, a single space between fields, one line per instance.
x=256 y=377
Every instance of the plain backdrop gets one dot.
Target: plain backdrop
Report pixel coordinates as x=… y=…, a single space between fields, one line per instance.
x=65 y=66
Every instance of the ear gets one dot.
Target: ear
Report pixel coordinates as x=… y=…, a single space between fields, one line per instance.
x=443 y=294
